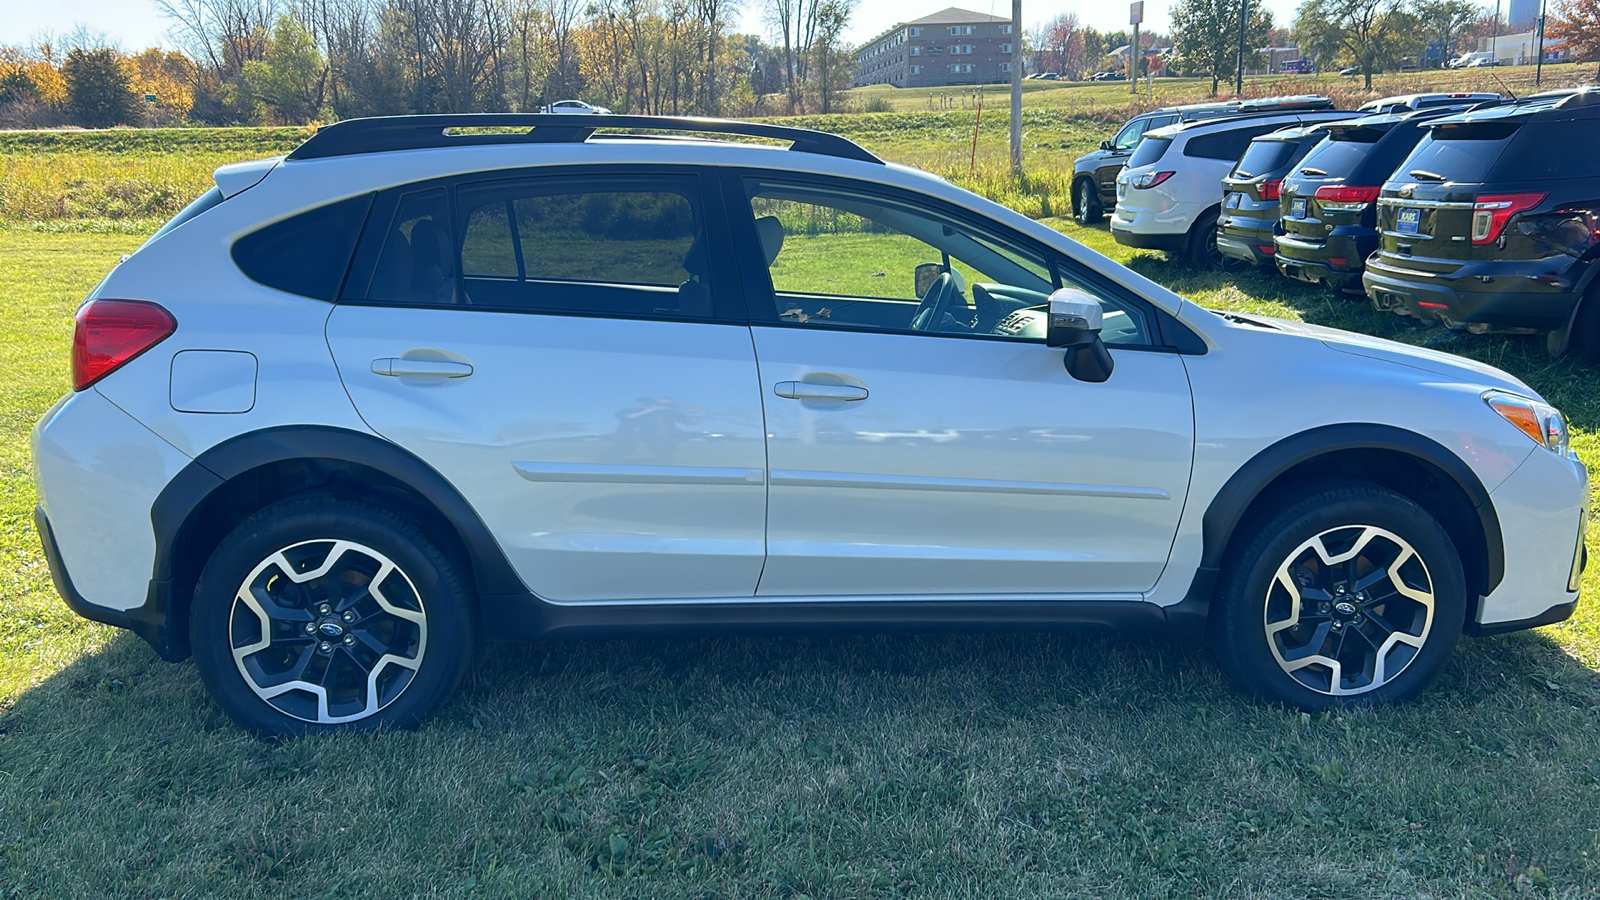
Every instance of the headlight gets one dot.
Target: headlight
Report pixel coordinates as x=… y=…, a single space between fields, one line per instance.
x=1539 y=421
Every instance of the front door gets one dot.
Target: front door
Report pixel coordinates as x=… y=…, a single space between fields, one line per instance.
x=555 y=347
x=922 y=440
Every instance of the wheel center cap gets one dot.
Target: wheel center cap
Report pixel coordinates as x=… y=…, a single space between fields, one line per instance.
x=331 y=628
x=1345 y=608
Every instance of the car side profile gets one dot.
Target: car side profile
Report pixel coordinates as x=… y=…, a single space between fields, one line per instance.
x=432 y=381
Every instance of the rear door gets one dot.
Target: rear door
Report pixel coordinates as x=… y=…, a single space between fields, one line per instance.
x=562 y=349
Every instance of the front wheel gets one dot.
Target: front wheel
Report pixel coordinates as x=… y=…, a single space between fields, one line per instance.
x=1351 y=596
x=319 y=614
x=1088 y=208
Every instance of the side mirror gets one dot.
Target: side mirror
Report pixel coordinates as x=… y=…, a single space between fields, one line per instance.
x=1075 y=322
x=1107 y=145
x=925 y=275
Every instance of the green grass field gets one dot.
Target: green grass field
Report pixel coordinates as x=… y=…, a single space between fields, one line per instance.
x=1016 y=765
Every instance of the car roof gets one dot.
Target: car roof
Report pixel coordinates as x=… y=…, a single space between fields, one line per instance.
x=1292 y=133
x=1408 y=99
x=1227 y=123
x=1564 y=99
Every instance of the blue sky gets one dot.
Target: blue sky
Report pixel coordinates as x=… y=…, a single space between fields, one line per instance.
x=136 y=24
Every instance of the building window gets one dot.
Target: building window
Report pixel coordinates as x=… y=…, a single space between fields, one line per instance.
x=916 y=32
x=916 y=70
x=1005 y=29
x=1005 y=48
x=1005 y=67
x=960 y=29
x=916 y=51
x=961 y=69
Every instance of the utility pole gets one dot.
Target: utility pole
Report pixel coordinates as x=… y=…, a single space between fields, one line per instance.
x=1538 y=69
x=1238 y=78
x=1135 y=16
x=1016 y=87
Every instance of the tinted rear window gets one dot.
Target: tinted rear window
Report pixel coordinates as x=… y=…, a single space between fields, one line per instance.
x=1265 y=156
x=1542 y=150
x=1228 y=145
x=305 y=254
x=1150 y=150
x=1464 y=153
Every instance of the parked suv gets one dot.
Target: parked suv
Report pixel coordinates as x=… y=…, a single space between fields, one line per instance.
x=1413 y=102
x=1094 y=175
x=1170 y=195
x=1329 y=222
x=420 y=384
x=1491 y=222
x=1250 y=193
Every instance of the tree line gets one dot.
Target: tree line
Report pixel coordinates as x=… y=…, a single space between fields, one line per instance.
x=299 y=61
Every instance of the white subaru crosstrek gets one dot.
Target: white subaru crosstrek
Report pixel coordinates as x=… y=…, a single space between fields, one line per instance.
x=1170 y=194
x=413 y=387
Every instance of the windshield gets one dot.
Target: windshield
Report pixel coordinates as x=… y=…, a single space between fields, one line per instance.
x=1462 y=153
x=1262 y=157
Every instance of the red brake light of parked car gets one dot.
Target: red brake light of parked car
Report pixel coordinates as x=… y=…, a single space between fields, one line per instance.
x=1272 y=190
x=1345 y=198
x=1492 y=211
x=1151 y=179
x=109 y=333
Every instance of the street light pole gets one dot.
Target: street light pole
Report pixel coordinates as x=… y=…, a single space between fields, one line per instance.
x=1538 y=69
x=1238 y=78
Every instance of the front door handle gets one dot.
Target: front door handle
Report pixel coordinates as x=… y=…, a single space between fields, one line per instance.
x=805 y=390
x=438 y=368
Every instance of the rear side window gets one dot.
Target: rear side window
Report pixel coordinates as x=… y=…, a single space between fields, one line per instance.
x=305 y=254
x=1226 y=145
x=1262 y=157
x=1150 y=151
x=1462 y=153
x=1541 y=150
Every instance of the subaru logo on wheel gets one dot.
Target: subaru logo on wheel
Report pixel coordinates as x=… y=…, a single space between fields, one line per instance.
x=331 y=629
x=1343 y=608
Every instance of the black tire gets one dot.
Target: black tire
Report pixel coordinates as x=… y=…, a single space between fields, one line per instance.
x=1202 y=250
x=1086 y=206
x=1250 y=596
x=402 y=610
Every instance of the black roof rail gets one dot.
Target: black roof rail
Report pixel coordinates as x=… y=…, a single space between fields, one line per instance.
x=379 y=134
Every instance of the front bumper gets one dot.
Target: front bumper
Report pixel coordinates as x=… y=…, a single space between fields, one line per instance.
x=1469 y=298
x=1542 y=508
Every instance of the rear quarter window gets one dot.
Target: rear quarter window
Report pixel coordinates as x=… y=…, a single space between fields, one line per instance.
x=305 y=254
x=1226 y=145
x=1541 y=150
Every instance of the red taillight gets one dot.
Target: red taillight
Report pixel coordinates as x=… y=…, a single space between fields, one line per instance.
x=1272 y=190
x=1343 y=193
x=1151 y=179
x=1491 y=212
x=109 y=333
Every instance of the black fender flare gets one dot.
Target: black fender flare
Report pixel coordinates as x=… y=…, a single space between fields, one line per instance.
x=1228 y=507
x=173 y=512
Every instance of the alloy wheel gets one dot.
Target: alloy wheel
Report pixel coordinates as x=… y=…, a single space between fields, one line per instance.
x=328 y=631
x=1349 y=610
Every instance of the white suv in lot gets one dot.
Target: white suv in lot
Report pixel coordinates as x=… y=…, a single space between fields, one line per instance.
x=1170 y=194
x=413 y=387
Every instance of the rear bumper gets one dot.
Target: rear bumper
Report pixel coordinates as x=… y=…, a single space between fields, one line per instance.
x=1312 y=261
x=1245 y=245
x=1173 y=243
x=1469 y=298
x=149 y=620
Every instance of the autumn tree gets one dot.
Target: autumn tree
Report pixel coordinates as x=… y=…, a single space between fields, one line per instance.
x=1577 y=28
x=1369 y=33
x=1446 y=20
x=1205 y=35
x=288 y=83
x=1061 y=46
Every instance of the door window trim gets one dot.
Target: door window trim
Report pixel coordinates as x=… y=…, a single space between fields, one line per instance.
x=762 y=297
x=701 y=184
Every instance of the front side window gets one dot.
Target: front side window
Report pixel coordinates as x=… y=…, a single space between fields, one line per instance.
x=1129 y=136
x=841 y=257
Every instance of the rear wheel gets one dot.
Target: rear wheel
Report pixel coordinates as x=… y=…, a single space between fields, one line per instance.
x=320 y=614
x=1203 y=250
x=1350 y=596
x=1086 y=202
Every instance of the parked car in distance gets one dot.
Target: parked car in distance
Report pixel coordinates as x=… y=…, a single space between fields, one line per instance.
x=1481 y=63
x=308 y=455
x=1489 y=224
x=1409 y=102
x=1329 y=218
x=1094 y=175
x=574 y=108
x=1170 y=195
x=1050 y=76
x=1467 y=59
x=1350 y=70
x=1251 y=190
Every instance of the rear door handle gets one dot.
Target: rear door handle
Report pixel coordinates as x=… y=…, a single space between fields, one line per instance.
x=439 y=368
x=805 y=390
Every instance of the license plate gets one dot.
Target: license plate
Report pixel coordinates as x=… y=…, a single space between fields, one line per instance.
x=1408 y=220
x=1233 y=200
x=1297 y=208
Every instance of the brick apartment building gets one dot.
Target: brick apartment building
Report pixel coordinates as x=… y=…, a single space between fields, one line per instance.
x=954 y=46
